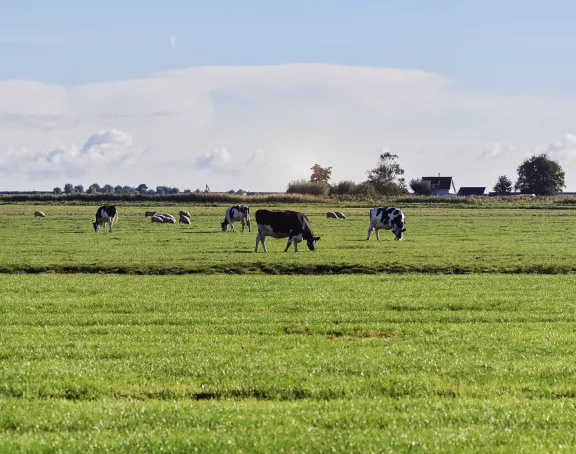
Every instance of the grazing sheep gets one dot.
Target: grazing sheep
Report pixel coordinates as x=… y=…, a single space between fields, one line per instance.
x=150 y=213
x=166 y=215
x=185 y=213
x=157 y=219
x=39 y=214
x=167 y=218
x=340 y=215
x=331 y=215
x=184 y=219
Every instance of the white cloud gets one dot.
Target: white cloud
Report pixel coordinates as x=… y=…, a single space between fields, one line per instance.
x=173 y=42
x=300 y=114
x=106 y=149
x=495 y=151
x=563 y=149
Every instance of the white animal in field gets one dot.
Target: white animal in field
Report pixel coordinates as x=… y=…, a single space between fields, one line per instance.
x=39 y=214
x=387 y=218
x=185 y=213
x=150 y=213
x=184 y=219
x=340 y=215
x=167 y=218
x=331 y=215
x=157 y=219
x=236 y=213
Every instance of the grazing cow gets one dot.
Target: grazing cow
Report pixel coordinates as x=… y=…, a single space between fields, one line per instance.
x=150 y=213
x=157 y=219
x=167 y=218
x=184 y=219
x=185 y=213
x=340 y=215
x=39 y=214
x=331 y=215
x=236 y=213
x=284 y=224
x=105 y=214
x=388 y=218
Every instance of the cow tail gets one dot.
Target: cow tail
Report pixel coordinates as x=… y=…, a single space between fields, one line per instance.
x=116 y=217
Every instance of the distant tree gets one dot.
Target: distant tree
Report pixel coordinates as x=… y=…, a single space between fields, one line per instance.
x=540 y=175
x=93 y=188
x=142 y=188
x=231 y=191
x=129 y=190
x=79 y=189
x=161 y=189
x=240 y=192
x=118 y=189
x=57 y=190
x=69 y=188
x=344 y=187
x=307 y=187
x=108 y=189
x=503 y=185
x=421 y=187
x=197 y=191
x=174 y=190
x=386 y=177
x=187 y=191
x=320 y=174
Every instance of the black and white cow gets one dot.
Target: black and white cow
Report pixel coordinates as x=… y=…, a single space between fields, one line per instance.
x=237 y=213
x=387 y=218
x=105 y=214
x=284 y=224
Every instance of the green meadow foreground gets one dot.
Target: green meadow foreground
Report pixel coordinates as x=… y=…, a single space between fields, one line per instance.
x=425 y=361
x=350 y=363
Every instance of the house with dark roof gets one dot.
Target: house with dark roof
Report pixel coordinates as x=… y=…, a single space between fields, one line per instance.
x=471 y=190
x=441 y=185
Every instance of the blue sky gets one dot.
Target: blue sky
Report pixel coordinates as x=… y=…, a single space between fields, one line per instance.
x=503 y=71
x=492 y=45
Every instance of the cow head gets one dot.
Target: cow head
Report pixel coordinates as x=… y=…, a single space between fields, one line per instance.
x=224 y=225
x=398 y=234
x=312 y=242
x=95 y=224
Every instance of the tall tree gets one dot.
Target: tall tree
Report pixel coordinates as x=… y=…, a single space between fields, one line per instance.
x=421 y=187
x=386 y=177
x=93 y=188
x=503 y=185
x=79 y=189
x=108 y=189
x=540 y=175
x=69 y=188
x=57 y=190
x=142 y=188
x=320 y=174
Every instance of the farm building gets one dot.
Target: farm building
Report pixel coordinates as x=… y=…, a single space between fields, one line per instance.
x=441 y=185
x=471 y=190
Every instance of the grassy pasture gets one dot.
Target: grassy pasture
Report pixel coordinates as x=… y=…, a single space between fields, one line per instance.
x=304 y=363
x=442 y=240
x=424 y=361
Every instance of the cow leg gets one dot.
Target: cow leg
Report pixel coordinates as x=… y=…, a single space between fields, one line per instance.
x=296 y=245
x=289 y=243
x=257 y=241
x=378 y=234
x=232 y=226
x=242 y=221
x=110 y=229
x=248 y=223
x=369 y=231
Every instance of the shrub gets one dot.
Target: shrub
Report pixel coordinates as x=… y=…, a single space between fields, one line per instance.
x=307 y=187
x=421 y=187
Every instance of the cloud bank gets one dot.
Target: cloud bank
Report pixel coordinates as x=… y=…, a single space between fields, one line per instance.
x=295 y=115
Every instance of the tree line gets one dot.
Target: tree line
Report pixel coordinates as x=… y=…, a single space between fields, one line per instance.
x=537 y=175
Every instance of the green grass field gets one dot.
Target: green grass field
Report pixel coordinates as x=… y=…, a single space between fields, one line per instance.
x=437 y=240
x=308 y=362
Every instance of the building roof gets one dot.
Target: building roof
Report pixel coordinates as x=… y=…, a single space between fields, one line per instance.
x=441 y=182
x=472 y=190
